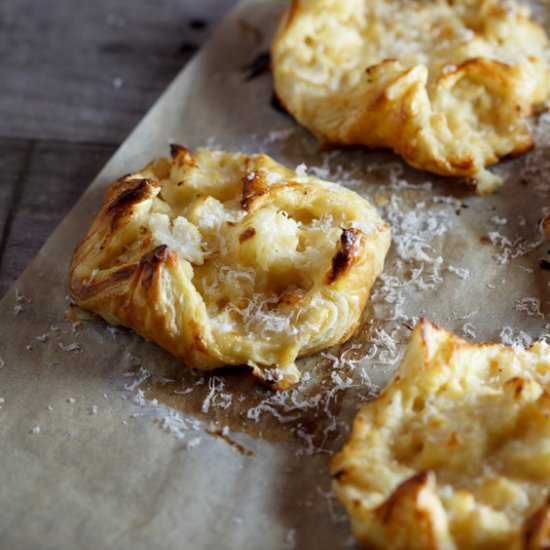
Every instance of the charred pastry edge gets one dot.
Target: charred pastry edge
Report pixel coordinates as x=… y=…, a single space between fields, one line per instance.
x=351 y=242
x=248 y=233
x=181 y=155
x=122 y=204
x=518 y=384
x=253 y=187
x=411 y=485
x=150 y=263
x=176 y=150
x=536 y=526
x=83 y=290
x=128 y=191
x=250 y=196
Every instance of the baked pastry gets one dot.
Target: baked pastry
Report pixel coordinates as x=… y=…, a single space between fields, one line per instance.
x=455 y=453
x=445 y=84
x=229 y=259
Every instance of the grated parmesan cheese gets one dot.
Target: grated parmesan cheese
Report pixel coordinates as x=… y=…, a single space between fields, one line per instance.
x=519 y=341
x=469 y=330
x=69 y=347
x=20 y=298
x=301 y=169
x=510 y=249
x=529 y=305
x=353 y=372
x=461 y=272
x=498 y=220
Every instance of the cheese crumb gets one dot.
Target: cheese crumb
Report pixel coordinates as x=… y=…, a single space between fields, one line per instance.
x=301 y=169
x=21 y=298
x=69 y=347
x=461 y=272
x=519 y=341
x=469 y=330
x=194 y=442
x=529 y=305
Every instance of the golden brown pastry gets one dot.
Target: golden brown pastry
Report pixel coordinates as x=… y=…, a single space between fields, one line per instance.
x=445 y=84
x=229 y=259
x=455 y=453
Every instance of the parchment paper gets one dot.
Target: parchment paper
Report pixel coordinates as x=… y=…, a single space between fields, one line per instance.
x=108 y=442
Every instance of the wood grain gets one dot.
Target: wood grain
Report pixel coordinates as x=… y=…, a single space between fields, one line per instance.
x=53 y=177
x=88 y=71
x=76 y=78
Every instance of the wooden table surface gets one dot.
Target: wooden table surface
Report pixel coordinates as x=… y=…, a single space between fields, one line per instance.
x=76 y=77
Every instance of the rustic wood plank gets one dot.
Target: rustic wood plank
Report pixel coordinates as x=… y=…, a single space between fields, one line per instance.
x=89 y=71
x=13 y=160
x=56 y=176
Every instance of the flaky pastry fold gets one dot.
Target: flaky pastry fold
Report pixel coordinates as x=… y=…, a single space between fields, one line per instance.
x=455 y=453
x=445 y=84
x=229 y=259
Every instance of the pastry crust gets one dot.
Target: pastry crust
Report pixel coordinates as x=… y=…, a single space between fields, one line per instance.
x=445 y=84
x=228 y=259
x=455 y=453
